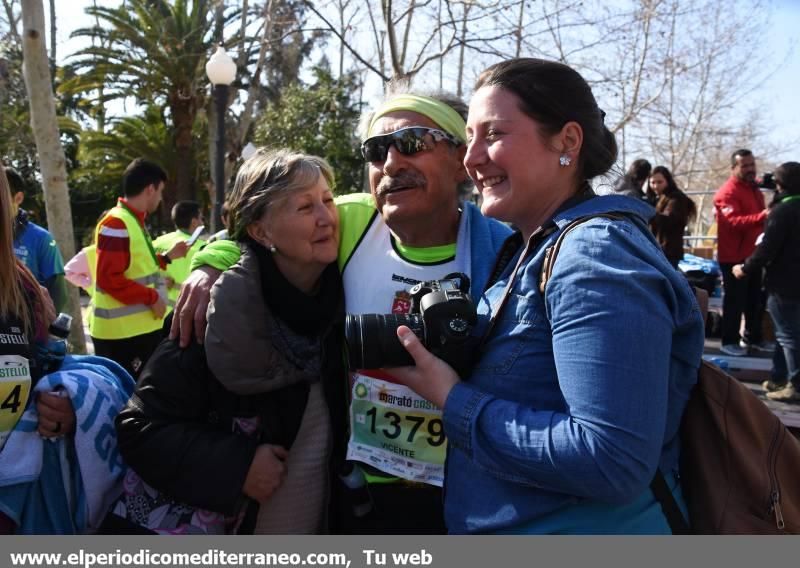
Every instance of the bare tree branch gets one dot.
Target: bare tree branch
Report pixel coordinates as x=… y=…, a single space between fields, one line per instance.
x=353 y=52
x=13 y=20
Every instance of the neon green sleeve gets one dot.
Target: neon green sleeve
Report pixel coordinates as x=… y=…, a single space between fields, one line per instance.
x=220 y=254
x=356 y=211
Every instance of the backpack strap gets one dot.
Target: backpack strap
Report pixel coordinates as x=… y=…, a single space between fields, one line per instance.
x=665 y=498
x=677 y=522
x=552 y=251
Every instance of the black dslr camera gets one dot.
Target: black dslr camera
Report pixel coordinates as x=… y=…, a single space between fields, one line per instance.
x=767 y=181
x=442 y=315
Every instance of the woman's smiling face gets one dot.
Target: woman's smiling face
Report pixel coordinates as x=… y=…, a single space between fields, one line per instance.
x=516 y=170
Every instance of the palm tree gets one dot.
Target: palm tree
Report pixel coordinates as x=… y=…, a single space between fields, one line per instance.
x=153 y=51
x=104 y=155
x=145 y=136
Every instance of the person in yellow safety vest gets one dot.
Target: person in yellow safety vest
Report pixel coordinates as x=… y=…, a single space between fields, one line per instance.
x=130 y=298
x=186 y=216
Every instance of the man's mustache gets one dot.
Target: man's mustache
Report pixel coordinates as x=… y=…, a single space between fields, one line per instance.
x=403 y=180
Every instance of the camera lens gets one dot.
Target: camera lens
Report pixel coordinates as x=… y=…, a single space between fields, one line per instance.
x=372 y=339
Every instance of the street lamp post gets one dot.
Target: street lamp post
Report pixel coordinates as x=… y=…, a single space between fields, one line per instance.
x=221 y=71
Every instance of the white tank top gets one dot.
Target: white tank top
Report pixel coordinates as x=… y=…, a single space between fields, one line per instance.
x=392 y=428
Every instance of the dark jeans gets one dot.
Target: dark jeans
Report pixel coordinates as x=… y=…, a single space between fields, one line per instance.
x=779 y=371
x=132 y=352
x=741 y=297
x=7 y=526
x=786 y=317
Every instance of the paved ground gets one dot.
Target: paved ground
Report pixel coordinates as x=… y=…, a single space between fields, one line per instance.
x=752 y=371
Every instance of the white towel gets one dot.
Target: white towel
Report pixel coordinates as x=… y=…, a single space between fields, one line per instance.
x=98 y=389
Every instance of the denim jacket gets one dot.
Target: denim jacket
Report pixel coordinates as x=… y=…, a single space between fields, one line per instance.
x=577 y=396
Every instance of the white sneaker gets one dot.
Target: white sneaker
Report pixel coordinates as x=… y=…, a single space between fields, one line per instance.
x=733 y=350
x=787 y=394
x=773 y=386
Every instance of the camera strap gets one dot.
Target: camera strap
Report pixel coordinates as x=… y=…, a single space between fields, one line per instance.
x=533 y=241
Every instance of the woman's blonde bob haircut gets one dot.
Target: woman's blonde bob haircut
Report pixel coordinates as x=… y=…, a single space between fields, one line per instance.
x=267 y=176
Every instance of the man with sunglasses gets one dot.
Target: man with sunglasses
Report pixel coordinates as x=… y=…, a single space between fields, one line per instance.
x=412 y=227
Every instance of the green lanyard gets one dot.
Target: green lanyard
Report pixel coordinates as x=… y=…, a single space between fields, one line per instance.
x=790 y=198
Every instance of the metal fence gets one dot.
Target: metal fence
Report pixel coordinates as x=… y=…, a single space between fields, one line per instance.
x=699 y=228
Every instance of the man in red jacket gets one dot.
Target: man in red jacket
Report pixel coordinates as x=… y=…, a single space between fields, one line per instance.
x=741 y=214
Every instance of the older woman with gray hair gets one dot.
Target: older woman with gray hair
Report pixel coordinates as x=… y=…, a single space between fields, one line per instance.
x=244 y=433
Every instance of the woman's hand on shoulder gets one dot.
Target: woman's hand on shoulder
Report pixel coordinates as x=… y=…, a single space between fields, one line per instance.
x=431 y=378
x=267 y=472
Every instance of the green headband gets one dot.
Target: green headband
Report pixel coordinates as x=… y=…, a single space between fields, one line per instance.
x=443 y=115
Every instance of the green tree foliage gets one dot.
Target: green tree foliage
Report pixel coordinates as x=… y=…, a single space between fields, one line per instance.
x=105 y=155
x=153 y=51
x=319 y=119
x=17 y=147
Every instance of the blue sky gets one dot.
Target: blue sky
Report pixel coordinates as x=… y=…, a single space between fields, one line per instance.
x=780 y=94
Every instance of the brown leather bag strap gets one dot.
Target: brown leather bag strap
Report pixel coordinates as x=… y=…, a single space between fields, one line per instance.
x=658 y=485
x=669 y=506
x=552 y=251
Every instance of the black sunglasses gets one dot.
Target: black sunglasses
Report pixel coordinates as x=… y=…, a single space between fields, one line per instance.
x=408 y=142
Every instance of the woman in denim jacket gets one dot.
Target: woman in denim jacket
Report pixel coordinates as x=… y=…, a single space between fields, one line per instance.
x=578 y=393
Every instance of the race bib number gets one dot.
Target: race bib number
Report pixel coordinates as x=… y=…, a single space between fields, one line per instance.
x=15 y=386
x=396 y=431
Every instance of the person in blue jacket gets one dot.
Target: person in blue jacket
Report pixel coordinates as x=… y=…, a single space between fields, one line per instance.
x=577 y=395
x=36 y=247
